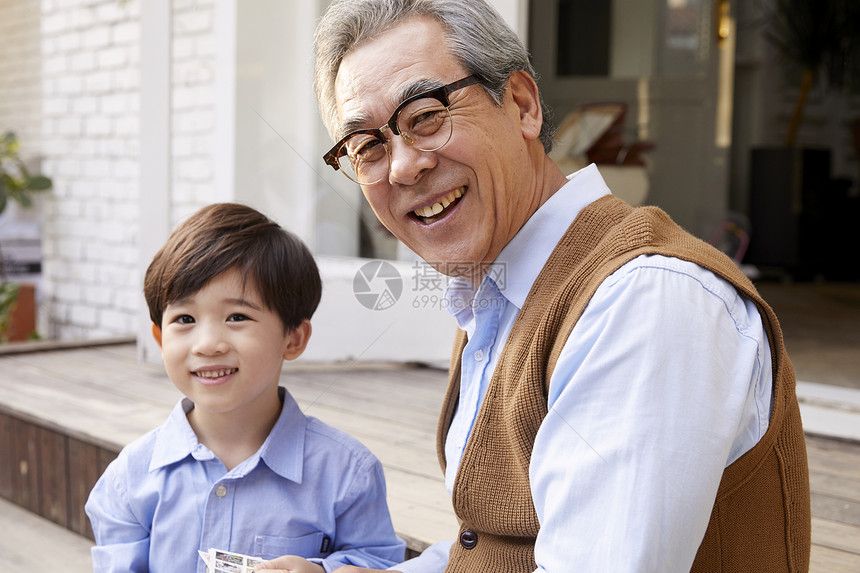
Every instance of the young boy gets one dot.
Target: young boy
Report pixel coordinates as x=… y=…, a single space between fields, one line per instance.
x=237 y=466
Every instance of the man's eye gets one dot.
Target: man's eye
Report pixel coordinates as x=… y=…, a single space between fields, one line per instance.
x=425 y=116
x=237 y=317
x=368 y=146
x=365 y=149
x=184 y=319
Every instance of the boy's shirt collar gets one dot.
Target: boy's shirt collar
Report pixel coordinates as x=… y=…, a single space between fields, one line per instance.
x=282 y=451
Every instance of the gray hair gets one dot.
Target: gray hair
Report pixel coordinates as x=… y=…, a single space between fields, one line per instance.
x=477 y=36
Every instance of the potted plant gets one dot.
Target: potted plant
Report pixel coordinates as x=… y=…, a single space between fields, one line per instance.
x=818 y=42
x=17 y=184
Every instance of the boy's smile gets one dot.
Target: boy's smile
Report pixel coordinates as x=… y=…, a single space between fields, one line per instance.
x=223 y=348
x=214 y=376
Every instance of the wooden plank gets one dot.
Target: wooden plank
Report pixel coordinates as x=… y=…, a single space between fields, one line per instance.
x=374 y=398
x=78 y=374
x=84 y=470
x=836 y=509
x=391 y=408
x=53 y=476
x=833 y=457
x=827 y=560
x=6 y=457
x=83 y=412
x=32 y=543
x=835 y=486
x=420 y=507
x=836 y=535
x=25 y=465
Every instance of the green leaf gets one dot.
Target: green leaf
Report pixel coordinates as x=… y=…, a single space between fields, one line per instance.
x=8 y=138
x=24 y=200
x=16 y=182
x=39 y=183
x=8 y=295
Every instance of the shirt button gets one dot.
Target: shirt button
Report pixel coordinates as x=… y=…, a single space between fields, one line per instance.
x=468 y=539
x=220 y=491
x=479 y=355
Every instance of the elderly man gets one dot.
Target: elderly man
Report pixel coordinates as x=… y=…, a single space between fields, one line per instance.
x=622 y=401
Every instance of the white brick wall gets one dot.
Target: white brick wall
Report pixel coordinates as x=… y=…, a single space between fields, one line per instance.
x=90 y=128
x=193 y=111
x=69 y=85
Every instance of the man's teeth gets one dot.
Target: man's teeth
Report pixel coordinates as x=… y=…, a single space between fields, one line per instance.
x=215 y=373
x=436 y=208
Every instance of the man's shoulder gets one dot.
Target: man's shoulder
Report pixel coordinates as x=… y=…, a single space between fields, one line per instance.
x=661 y=262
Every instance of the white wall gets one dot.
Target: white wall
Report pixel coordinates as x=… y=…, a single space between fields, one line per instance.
x=90 y=104
x=415 y=328
x=193 y=114
x=243 y=125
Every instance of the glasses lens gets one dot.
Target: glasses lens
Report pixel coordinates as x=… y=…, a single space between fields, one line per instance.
x=425 y=124
x=364 y=158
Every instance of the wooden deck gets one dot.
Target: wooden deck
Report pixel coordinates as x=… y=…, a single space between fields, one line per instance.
x=89 y=402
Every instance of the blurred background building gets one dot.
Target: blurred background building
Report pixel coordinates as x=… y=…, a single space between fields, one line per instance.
x=142 y=112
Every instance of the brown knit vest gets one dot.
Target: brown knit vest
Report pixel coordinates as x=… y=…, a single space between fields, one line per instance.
x=761 y=517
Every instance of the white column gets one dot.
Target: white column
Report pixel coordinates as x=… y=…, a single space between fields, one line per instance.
x=276 y=155
x=155 y=146
x=225 y=101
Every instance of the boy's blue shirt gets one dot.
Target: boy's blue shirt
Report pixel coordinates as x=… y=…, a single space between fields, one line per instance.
x=310 y=490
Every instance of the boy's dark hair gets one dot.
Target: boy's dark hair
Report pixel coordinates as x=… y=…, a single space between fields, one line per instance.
x=227 y=236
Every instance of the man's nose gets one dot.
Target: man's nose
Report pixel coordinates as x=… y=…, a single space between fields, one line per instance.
x=408 y=162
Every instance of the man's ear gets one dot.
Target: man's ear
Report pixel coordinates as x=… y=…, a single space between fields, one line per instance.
x=526 y=96
x=297 y=340
x=156 y=334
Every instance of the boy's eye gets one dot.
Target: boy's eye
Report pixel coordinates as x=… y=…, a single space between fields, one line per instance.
x=237 y=317
x=184 y=319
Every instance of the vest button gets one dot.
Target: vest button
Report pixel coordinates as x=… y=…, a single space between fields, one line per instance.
x=468 y=539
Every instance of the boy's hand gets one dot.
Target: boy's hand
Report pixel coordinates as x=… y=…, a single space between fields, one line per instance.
x=290 y=564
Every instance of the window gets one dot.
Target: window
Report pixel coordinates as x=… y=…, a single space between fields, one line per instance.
x=584 y=37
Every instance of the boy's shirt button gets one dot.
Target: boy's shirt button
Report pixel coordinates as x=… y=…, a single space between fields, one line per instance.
x=220 y=491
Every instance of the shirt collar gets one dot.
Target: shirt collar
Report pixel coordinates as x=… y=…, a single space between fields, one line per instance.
x=282 y=452
x=520 y=262
x=176 y=439
x=525 y=255
x=284 y=449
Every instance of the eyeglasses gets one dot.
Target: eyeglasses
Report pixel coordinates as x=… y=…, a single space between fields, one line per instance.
x=423 y=121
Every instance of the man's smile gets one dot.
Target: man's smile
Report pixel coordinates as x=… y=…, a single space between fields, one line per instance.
x=435 y=211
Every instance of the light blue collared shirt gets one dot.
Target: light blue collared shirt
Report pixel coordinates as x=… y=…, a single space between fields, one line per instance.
x=664 y=381
x=310 y=490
